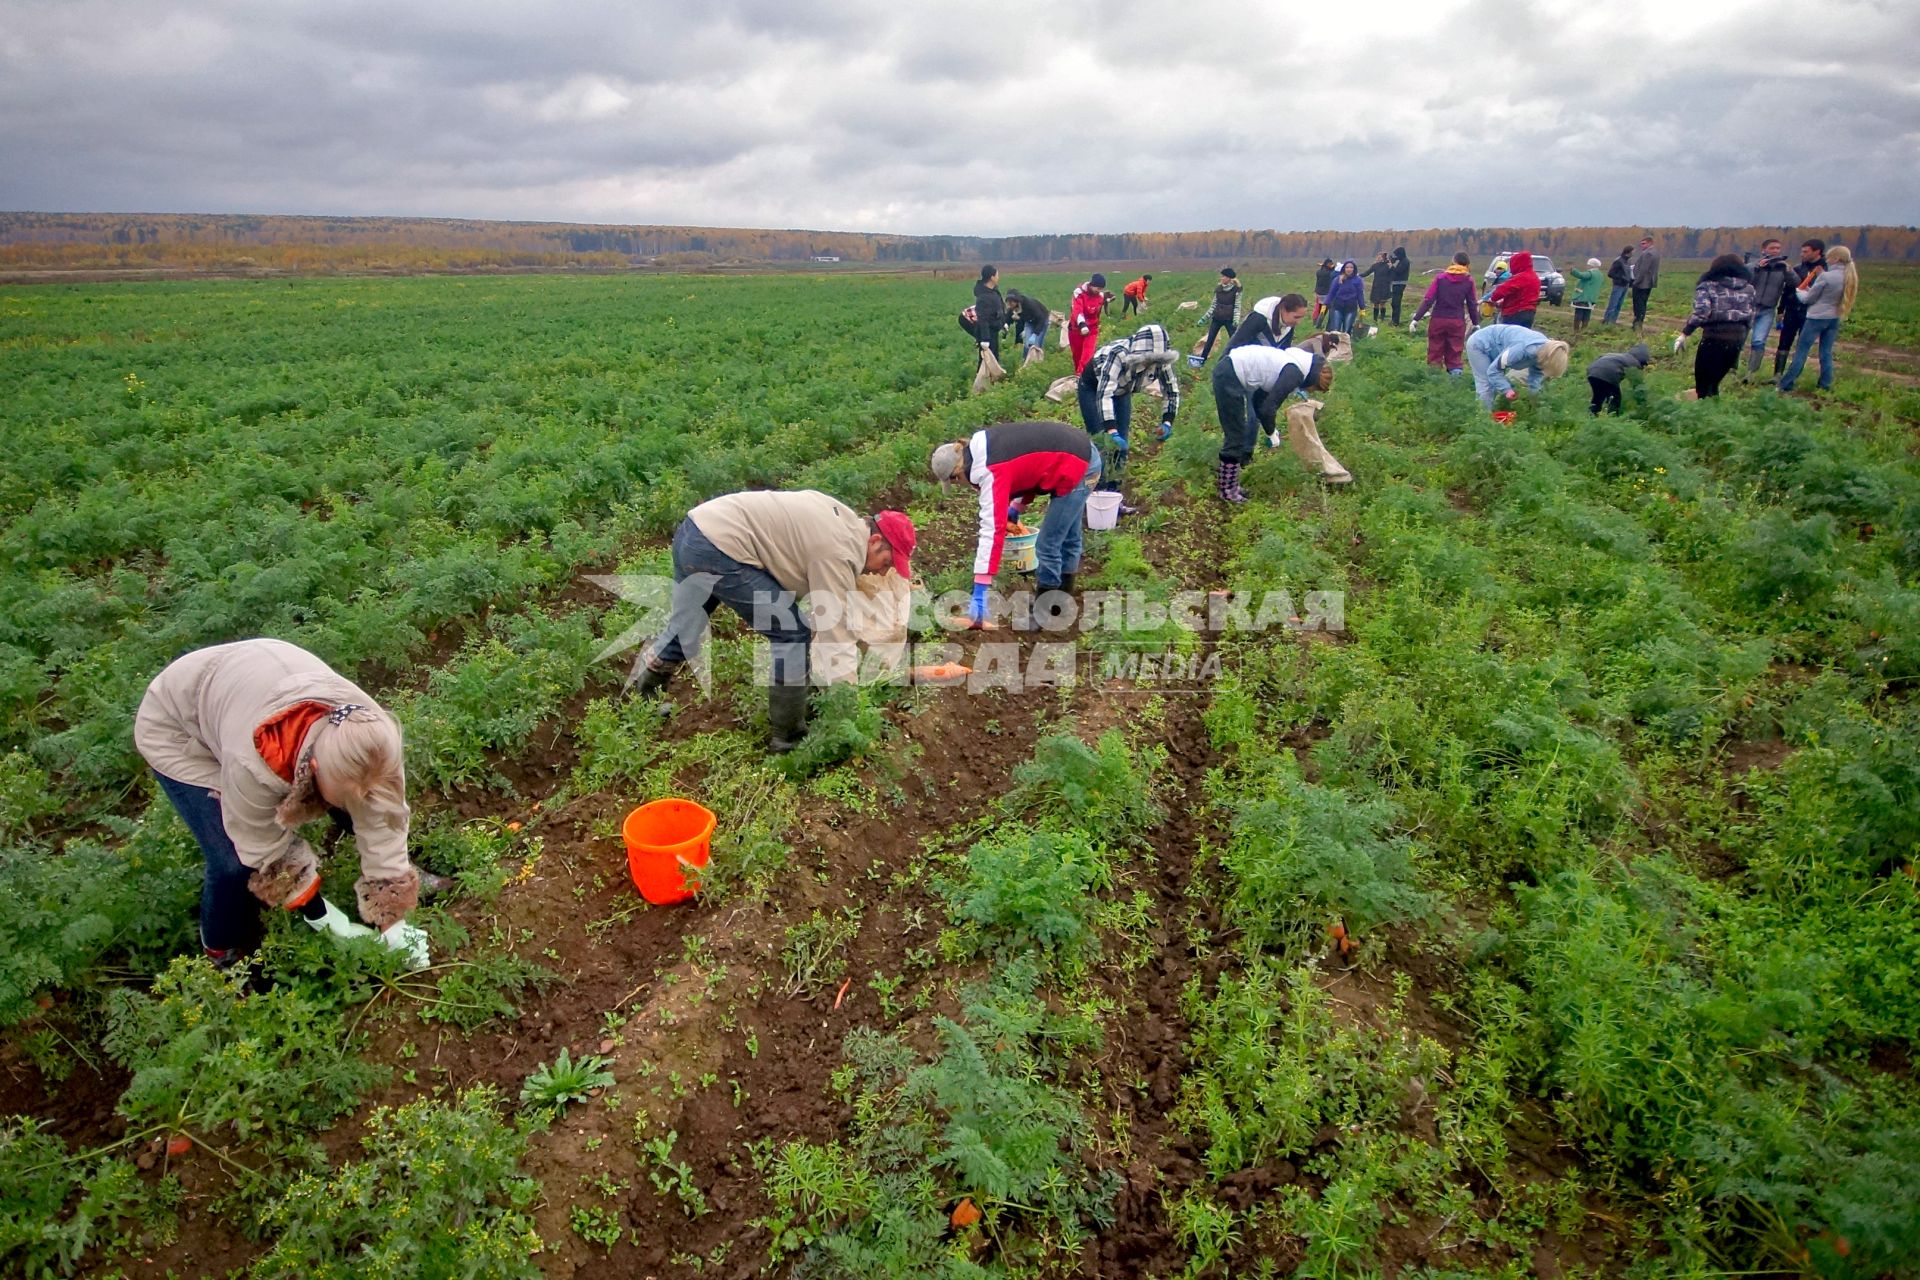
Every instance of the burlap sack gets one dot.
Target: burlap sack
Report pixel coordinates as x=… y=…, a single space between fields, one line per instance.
x=989 y=371
x=1062 y=389
x=1303 y=436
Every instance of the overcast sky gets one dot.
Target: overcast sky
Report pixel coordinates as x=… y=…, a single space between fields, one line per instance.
x=985 y=118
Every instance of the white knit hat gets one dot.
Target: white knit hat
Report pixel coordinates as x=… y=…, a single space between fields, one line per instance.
x=1593 y=262
x=946 y=461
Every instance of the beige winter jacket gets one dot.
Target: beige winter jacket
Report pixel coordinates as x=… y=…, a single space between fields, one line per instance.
x=811 y=543
x=196 y=725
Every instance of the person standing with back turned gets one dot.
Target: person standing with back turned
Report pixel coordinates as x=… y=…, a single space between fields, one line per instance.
x=1620 y=273
x=1723 y=312
x=1402 y=269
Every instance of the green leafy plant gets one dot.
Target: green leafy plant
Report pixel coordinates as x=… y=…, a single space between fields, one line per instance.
x=208 y=1056
x=1028 y=890
x=1108 y=787
x=439 y=1192
x=565 y=1080
x=673 y=1177
x=816 y=952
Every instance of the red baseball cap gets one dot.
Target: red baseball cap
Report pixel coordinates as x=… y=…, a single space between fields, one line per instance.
x=900 y=535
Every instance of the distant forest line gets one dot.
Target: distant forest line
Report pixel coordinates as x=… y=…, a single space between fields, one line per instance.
x=238 y=242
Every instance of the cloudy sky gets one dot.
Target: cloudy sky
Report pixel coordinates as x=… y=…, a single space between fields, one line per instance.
x=980 y=118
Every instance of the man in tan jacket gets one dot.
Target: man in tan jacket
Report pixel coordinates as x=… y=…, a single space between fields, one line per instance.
x=250 y=741
x=761 y=553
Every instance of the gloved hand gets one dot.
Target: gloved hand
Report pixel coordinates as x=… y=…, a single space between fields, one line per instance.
x=1413 y=326
x=1679 y=341
x=1166 y=428
x=1273 y=438
x=1512 y=394
x=334 y=921
x=977 y=608
x=409 y=940
x=1014 y=512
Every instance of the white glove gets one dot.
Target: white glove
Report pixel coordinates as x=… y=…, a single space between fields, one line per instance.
x=336 y=923
x=1273 y=440
x=1679 y=341
x=411 y=941
x=1413 y=326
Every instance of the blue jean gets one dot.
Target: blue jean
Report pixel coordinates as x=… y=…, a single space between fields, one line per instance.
x=229 y=913
x=1056 y=552
x=1614 y=299
x=1088 y=393
x=1761 y=327
x=1032 y=337
x=1342 y=321
x=704 y=578
x=1821 y=331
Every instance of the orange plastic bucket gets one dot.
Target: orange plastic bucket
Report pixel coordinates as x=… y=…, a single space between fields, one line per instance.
x=667 y=844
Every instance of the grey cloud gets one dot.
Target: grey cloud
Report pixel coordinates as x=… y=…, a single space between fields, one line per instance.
x=1095 y=115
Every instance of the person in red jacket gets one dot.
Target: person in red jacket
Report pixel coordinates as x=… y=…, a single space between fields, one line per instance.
x=1518 y=296
x=1010 y=464
x=1083 y=319
x=1136 y=295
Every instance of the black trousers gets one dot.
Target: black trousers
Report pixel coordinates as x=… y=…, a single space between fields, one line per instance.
x=1399 y=288
x=1718 y=354
x=1214 y=327
x=1129 y=305
x=1522 y=318
x=1640 y=306
x=1790 y=325
x=1606 y=395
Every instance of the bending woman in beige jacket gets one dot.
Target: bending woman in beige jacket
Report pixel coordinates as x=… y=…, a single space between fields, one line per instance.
x=253 y=739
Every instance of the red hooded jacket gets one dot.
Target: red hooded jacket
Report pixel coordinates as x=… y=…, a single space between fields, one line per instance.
x=1520 y=291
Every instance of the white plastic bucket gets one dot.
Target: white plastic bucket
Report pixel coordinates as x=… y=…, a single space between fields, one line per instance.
x=1103 y=509
x=1019 y=551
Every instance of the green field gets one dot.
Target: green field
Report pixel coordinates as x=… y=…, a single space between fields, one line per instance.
x=1612 y=777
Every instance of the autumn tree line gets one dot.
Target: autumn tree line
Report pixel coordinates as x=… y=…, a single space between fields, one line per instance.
x=235 y=242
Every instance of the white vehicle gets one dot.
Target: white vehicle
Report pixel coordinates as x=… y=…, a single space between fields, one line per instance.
x=1553 y=285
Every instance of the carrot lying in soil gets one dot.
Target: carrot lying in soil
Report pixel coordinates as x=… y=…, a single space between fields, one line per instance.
x=941 y=671
x=1347 y=945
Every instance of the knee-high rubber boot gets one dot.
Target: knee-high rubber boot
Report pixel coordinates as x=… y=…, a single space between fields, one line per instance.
x=786 y=716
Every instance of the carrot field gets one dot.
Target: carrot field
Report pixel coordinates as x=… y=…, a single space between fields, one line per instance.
x=1553 y=913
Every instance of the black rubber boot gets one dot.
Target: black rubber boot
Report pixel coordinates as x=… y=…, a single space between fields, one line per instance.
x=786 y=716
x=1066 y=582
x=649 y=678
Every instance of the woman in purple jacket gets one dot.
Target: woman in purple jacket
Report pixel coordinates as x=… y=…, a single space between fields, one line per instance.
x=1452 y=300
